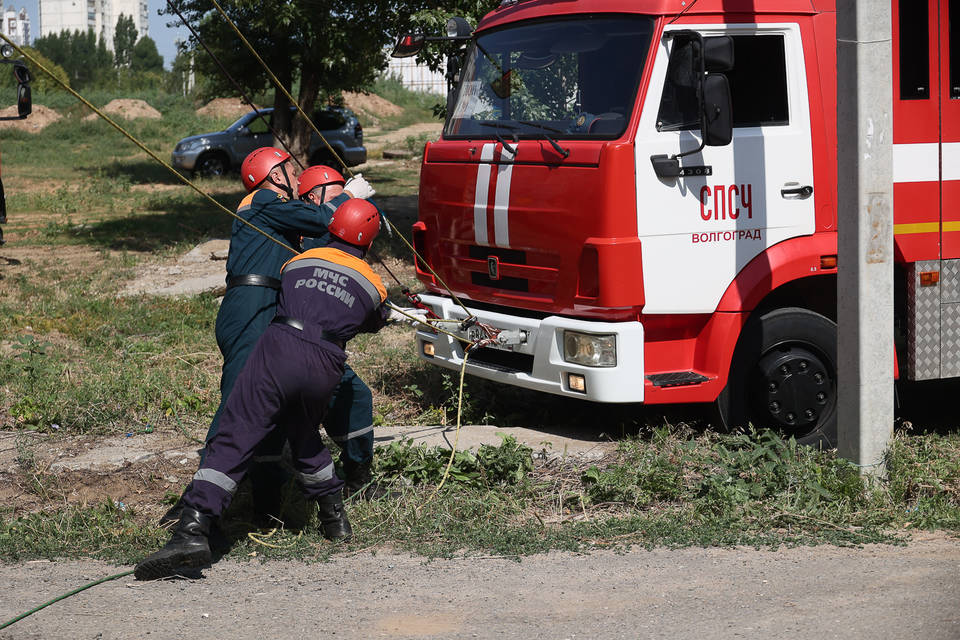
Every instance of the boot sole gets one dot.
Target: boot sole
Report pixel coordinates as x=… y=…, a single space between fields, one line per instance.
x=167 y=566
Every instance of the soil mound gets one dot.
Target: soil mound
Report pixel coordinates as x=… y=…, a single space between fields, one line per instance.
x=370 y=105
x=128 y=109
x=225 y=108
x=36 y=121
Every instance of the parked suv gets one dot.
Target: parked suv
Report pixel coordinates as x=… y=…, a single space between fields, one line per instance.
x=213 y=154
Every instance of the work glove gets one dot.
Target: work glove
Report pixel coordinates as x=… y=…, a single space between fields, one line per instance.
x=419 y=314
x=358 y=187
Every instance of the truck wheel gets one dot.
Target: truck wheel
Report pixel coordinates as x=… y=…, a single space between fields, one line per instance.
x=210 y=165
x=784 y=377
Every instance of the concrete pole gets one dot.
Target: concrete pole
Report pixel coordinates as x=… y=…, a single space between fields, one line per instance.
x=865 y=228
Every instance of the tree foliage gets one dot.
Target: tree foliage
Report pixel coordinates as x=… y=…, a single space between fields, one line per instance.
x=124 y=38
x=324 y=46
x=41 y=81
x=84 y=57
x=145 y=56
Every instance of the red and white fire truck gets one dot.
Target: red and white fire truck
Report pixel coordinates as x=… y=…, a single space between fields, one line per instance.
x=641 y=195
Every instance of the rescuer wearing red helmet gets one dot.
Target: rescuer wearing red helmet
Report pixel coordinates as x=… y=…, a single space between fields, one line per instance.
x=320 y=183
x=253 y=267
x=327 y=296
x=349 y=421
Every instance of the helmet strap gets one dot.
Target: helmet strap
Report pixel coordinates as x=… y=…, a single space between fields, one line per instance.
x=285 y=187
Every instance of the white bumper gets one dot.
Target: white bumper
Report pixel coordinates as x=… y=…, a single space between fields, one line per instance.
x=538 y=363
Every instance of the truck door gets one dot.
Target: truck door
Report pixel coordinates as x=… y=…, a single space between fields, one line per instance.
x=948 y=30
x=699 y=231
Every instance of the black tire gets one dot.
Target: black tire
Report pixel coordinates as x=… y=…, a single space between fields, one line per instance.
x=211 y=165
x=784 y=377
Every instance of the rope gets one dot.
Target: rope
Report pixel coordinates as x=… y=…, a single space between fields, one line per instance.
x=261 y=539
x=64 y=596
x=143 y=147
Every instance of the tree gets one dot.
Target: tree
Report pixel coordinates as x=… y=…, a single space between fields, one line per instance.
x=83 y=56
x=124 y=37
x=325 y=46
x=145 y=56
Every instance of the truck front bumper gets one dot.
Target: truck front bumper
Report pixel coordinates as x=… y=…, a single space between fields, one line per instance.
x=537 y=362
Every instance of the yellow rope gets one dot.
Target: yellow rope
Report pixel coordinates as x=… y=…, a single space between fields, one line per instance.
x=142 y=146
x=260 y=538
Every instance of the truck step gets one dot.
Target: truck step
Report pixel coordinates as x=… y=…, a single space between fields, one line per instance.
x=676 y=378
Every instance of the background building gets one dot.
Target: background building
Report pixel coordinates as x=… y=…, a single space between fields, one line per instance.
x=417 y=77
x=16 y=24
x=99 y=15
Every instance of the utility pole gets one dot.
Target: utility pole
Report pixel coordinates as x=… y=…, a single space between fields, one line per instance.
x=865 y=232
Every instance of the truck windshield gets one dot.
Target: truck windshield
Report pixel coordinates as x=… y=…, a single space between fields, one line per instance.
x=563 y=78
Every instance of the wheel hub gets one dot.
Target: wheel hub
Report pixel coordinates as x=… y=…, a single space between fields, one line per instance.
x=797 y=388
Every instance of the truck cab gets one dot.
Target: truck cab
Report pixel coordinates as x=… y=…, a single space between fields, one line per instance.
x=578 y=203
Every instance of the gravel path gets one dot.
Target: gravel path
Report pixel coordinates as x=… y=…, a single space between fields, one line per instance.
x=875 y=593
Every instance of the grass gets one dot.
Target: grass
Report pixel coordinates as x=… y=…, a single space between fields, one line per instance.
x=88 y=209
x=671 y=488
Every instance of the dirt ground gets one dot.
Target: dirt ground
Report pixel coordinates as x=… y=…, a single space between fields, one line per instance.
x=128 y=109
x=877 y=592
x=39 y=118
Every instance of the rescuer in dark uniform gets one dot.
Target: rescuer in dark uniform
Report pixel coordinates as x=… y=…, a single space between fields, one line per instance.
x=253 y=265
x=349 y=422
x=327 y=296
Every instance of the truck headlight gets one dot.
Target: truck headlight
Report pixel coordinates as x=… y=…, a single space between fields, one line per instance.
x=590 y=350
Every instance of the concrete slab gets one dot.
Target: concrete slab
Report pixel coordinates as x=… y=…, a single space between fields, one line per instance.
x=550 y=444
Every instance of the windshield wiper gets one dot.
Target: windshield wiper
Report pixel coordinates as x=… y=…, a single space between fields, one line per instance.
x=500 y=125
x=564 y=152
x=500 y=138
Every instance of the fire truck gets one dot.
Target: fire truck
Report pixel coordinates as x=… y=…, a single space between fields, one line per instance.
x=24 y=107
x=640 y=198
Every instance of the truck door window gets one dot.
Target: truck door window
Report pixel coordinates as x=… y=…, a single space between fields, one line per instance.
x=914 y=50
x=954 y=18
x=758 y=85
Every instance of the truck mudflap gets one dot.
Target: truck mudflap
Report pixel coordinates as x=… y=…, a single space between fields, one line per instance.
x=529 y=352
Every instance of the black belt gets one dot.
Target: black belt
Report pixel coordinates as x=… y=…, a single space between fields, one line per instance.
x=252 y=280
x=329 y=336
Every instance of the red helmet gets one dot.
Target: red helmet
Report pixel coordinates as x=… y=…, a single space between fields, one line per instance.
x=318 y=176
x=355 y=221
x=258 y=165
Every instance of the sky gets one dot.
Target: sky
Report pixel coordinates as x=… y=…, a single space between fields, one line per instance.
x=163 y=36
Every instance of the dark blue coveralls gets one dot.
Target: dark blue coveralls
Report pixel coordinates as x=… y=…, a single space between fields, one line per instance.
x=349 y=422
x=328 y=295
x=247 y=309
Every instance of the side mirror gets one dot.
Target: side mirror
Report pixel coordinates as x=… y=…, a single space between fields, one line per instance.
x=718 y=53
x=408 y=44
x=24 y=101
x=717 y=111
x=24 y=96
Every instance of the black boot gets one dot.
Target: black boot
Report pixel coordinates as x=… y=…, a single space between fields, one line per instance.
x=358 y=482
x=189 y=548
x=333 y=518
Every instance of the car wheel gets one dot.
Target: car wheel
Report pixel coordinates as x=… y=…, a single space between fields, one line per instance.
x=784 y=377
x=210 y=165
